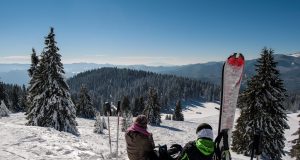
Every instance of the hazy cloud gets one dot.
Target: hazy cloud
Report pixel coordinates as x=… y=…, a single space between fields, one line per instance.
x=15 y=59
x=130 y=60
x=118 y=60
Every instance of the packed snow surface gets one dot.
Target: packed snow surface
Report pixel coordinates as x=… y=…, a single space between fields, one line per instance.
x=20 y=142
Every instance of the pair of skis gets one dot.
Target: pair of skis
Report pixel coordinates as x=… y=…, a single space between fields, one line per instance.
x=231 y=81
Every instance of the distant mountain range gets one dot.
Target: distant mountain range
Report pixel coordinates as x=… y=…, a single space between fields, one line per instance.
x=289 y=66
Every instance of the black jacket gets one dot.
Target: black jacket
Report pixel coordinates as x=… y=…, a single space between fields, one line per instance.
x=201 y=149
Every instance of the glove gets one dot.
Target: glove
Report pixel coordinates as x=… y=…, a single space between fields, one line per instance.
x=175 y=148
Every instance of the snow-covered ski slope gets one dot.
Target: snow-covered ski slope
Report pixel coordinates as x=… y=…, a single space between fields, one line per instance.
x=18 y=142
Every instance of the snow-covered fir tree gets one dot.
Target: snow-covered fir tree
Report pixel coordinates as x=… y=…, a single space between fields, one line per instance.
x=240 y=139
x=152 y=110
x=23 y=100
x=139 y=106
x=262 y=109
x=295 y=151
x=34 y=63
x=126 y=114
x=178 y=116
x=51 y=104
x=3 y=94
x=84 y=106
x=34 y=78
x=98 y=124
x=4 y=112
x=135 y=107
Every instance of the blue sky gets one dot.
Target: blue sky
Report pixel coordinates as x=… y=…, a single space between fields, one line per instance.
x=148 y=31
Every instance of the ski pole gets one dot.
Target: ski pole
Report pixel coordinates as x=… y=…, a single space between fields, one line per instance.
x=109 y=138
x=118 y=113
x=108 y=113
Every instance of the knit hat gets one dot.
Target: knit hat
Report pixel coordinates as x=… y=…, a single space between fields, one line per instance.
x=141 y=120
x=204 y=130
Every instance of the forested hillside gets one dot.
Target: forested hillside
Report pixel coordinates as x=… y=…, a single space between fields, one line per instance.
x=289 y=67
x=14 y=96
x=111 y=84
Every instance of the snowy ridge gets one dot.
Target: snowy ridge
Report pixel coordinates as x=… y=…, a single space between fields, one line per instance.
x=295 y=54
x=21 y=142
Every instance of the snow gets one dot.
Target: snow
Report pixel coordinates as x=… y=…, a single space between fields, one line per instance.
x=295 y=55
x=31 y=142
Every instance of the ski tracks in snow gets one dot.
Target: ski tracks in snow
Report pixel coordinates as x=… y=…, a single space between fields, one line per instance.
x=19 y=142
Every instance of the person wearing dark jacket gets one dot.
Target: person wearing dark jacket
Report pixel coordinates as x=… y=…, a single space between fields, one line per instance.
x=202 y=148
x=139 y=142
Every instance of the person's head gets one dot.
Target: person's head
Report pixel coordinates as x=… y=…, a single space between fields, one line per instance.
x=141 y=120
x=204 y=130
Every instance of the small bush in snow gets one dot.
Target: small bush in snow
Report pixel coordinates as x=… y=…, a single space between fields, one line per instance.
x=98 y=125
x=4 y=112
x=104 y=123
x=126 y=121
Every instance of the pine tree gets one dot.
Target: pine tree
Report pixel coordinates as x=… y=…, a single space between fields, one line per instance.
x=51 y=101
x=262 y=109
x=2 y=91
x=125 y=107
x=4 y=112
x=139 y=106
x=98 y=125
x=15 y=100
x=152 y=110
x=178 y=116
x=126 y=114
x=34 y=63
x=33 y=80
x=295 y=151
x=240 y=140
x=167 y=117
x=23 y=101
x=135 y=108
x=84 y=106
x=3 y=94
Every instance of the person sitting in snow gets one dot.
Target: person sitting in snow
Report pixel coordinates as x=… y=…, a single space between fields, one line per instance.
x=139 y=142
x=202 y=148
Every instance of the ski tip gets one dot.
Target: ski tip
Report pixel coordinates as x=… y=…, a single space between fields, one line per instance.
x=237 y=59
